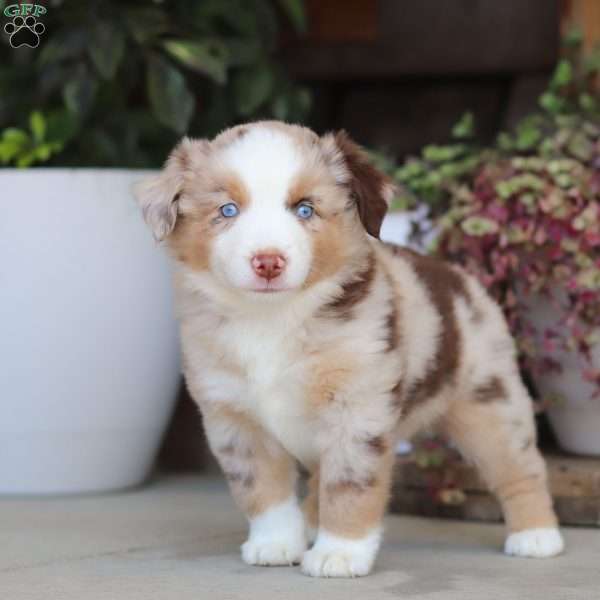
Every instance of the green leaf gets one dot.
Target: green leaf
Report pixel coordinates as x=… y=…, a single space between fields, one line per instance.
x=527 y=137
x=37 y=124
x=563 y=74
x=292 y=105
x=65 y=44
x=573 y=37
x=438 y=154
x=551 y=102
x=592 y=62
x=504 y=141
x=581 y=147
x=15 y=136
x=61 y=126
x=13 y=144
x=79 y=93
x=478 y=226
x=252 y=87
x=239 y=16
x=243 y=51
x=43 y=152
x=146 y=23
x=106 y=48
x=294 y=9
x=465 y=128
x=208 y=57
x=26 y=159
x=170 y=98
x=587 y=102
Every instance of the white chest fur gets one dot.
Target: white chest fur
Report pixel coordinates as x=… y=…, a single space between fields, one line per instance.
x=272 y=380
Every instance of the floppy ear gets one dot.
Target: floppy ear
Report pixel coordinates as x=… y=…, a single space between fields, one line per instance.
x=371 y=190
x=158 y=196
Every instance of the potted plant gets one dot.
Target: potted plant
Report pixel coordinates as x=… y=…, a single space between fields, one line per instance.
x=90 y=351
x=524 y=216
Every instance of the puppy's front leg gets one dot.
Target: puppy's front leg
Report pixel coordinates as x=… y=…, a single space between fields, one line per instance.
x=262 y=478
x=355 y=474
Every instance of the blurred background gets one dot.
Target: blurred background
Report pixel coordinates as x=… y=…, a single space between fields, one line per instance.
x=136 y=75
x=435 y=90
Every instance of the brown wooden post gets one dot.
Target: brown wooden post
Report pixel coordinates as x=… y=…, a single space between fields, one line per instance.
x=585 y=15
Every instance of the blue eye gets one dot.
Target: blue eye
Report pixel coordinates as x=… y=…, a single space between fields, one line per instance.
x=304 y=211
x=229 y=210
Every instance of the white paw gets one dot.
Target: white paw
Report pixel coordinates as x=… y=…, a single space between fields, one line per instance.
x=535 y=543
x=276 y=536
x=272 y=552
x=332 y=556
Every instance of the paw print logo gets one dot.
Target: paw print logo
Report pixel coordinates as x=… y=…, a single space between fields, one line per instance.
x=24 y=32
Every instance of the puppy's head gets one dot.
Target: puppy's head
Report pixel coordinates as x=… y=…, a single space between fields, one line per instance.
x=266 y=208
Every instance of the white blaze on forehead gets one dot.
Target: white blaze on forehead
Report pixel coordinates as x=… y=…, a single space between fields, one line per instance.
x=266 y=160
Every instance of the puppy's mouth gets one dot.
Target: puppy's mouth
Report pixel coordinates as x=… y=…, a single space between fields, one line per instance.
x=270 y=289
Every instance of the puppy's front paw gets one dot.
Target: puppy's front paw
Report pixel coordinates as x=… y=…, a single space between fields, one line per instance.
x=276 y=536
x=535 y=543
x=332 y=556
x=272 y=552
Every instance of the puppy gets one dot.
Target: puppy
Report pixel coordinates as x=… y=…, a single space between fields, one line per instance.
x=307 y=340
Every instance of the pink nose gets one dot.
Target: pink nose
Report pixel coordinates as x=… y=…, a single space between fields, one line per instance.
x=268 y=266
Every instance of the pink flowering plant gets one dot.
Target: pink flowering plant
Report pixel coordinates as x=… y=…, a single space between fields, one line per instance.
x=524 y=215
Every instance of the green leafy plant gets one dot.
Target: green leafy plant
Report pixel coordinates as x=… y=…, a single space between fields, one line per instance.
x=133 y=76
x=524 y=214
x=45 y=138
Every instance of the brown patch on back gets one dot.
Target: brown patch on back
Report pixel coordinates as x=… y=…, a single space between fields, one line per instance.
x=354 y=291
x=367 y=184
x=391 y=328
x=491 y=391
x=444 y=285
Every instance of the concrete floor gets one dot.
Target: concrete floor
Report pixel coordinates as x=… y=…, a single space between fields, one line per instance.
x=178 y=538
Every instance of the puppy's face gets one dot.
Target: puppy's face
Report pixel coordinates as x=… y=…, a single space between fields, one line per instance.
x=266 y=208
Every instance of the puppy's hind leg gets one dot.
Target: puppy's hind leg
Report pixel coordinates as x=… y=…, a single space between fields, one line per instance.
x=494 y=427
x=262 y=477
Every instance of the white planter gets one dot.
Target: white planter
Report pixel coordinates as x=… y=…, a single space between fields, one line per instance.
x=396 y=227
x=575 y=420
x=89 y=358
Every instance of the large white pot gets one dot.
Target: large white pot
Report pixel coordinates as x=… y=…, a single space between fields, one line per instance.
x=575 y=418
x=89 y=359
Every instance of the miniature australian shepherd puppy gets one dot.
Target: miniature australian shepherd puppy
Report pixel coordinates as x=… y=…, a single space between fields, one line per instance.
x=307 y=340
